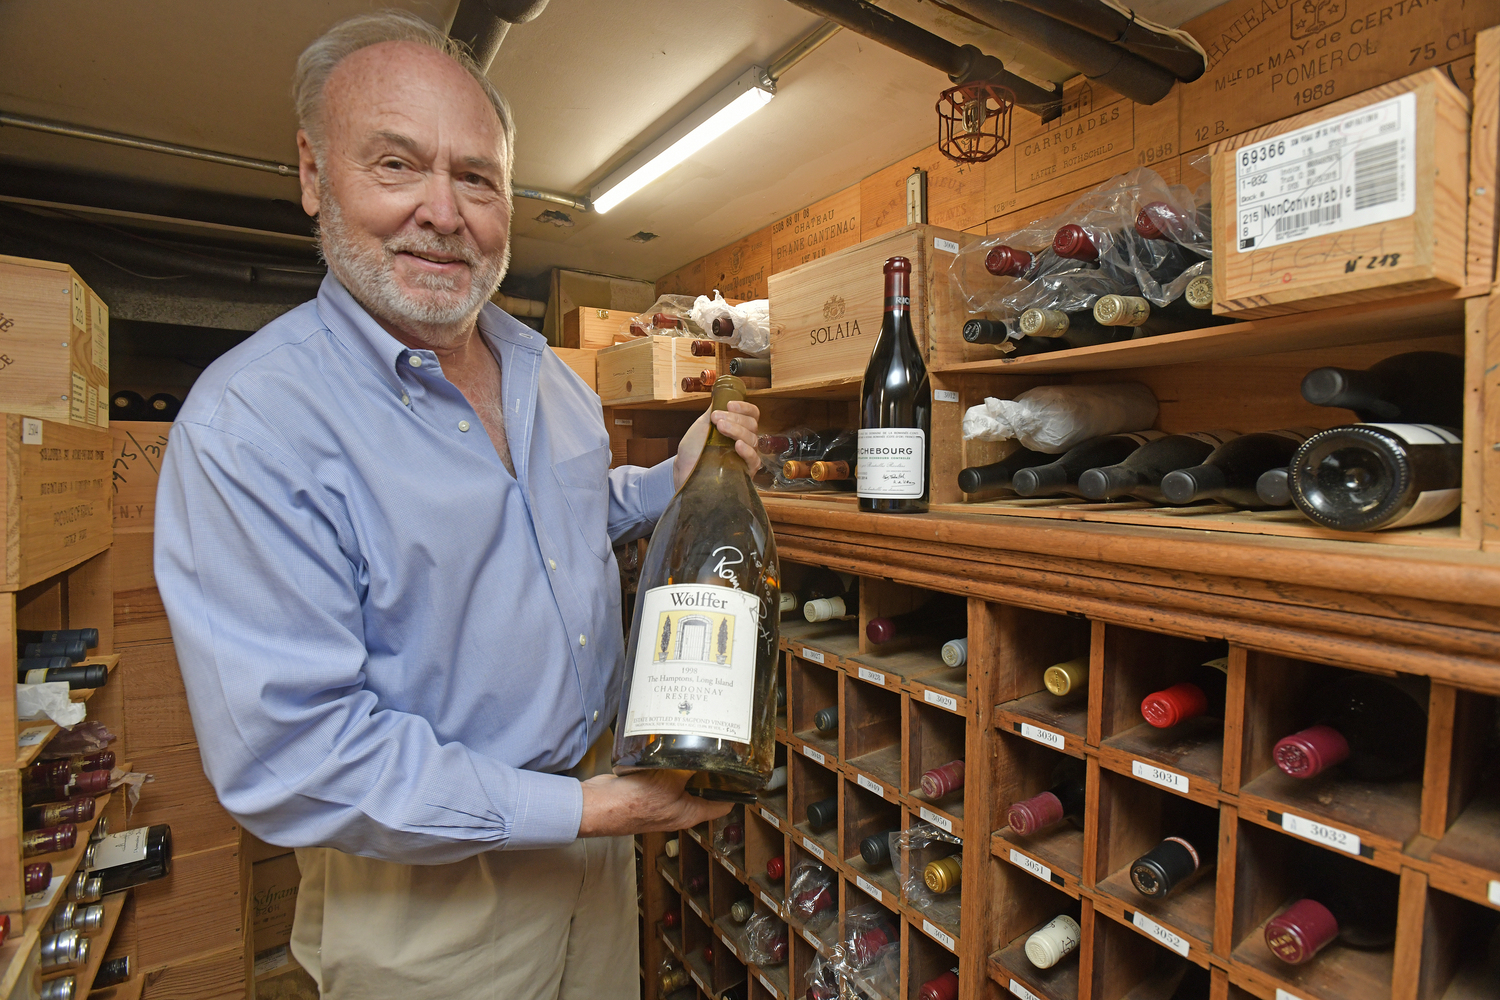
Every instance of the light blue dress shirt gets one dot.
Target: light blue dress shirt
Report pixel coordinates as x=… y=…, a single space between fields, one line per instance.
x=390 y=645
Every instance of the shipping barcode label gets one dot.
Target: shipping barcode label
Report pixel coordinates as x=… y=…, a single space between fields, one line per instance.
x=940 y=700
x=1495 y=892
x=1282 y=994
x=1160 y=776
x=944 y=396
x=815 y=755
x=873 y=890
x=941 y=822
x=1156 y=930
x=1040 y=735
x=31 y=431
x=272 y=959
x=1036 y=868
x=868 y=785
x=948 y=246
x=775 y=906
x=1354 y=170
x=1331 y=836
x=873 y=676
x=813 y=654
x=939 y=935
x=32 y=737
x=624 y=422
x=1022 y=991
x=769 y=988
x=813 y=848
x=770 y=817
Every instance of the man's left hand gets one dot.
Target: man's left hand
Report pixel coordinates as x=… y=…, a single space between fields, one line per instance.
x=739 y=422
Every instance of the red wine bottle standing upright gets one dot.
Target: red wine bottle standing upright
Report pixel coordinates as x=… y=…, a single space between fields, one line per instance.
x=895 y=413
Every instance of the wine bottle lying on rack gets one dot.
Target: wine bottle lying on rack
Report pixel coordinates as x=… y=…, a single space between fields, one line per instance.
x=127 y=404
x=79 y=809
x=1420 y=387
x=1061 y=476
x=944 y=874
x=81 y=783
x=876 y=849
x=1374 y=728
x=822 y=814
x=1273 y=489
x=740 y=910
x=37 y=876
x=1160 y=220
x=1369 y=477
x=942 y=780
x=937 y=617
x=826 y=720
x=61 y=771
x=1345 y=900
x=750 y=368
x=998 y=475
x=1230 y=472
x=1070 y=677
x=775 y=868
x=1179 y=859
x=78 y=676
x=955 y=652
x=1139 y=314
x=88 y=636
x=1054 y=942
x=163 y=406
x=74 y=649
x=1012 y=262
x=1201 y=694
x=1076 y=329
x=1062 y=801
x=1142 y=471
x=942 y=987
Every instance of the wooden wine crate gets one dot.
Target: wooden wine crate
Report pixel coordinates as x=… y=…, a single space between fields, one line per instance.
x=55 y=360
x=647 y=369
x=583 y=361
x=591 y=329
x=139 y=446
x=826 y=314
x=55 y=483
x=1256 y=273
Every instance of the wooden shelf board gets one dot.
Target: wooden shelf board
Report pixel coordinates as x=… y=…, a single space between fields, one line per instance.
x=839 y=388
x=1059 y=848
x=762 y=886
x=774 y=803
x=776 y=976
x=26 y=755
x=882 y=766
x=1366 y=323
x=1473 y=981
x=1384 y=815
x=924 y=923
x=828 y=746
x=836 y=640
x=942 y=687
x=1472 y=844
x=131 y=989
x=905 y=662
x=1188 y=913
x=1335 y=973
x=1194 y=749
x=1069 y=719
x=827 y=840
x=949 y=807
x=1208 y=517
x=99 y=943
x=883 y=879
x=1057 y=983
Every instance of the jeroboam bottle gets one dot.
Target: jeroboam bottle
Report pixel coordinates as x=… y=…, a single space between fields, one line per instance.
x=1366 y=477
x=700 y=668
x=895 y=411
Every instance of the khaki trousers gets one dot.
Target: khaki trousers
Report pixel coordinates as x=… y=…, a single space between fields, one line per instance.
x=557 y=924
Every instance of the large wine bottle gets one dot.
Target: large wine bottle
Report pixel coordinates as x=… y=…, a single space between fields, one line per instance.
x=1230 y=472
x=1061 y=475
x=1141 y=473
x=1366 y=477
x=1420 y=387
x=895 y=409
x=1376 y=727
x=700 y=668
x=997 y=475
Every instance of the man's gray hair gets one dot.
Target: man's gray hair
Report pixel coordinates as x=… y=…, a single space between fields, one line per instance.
x=318 y=60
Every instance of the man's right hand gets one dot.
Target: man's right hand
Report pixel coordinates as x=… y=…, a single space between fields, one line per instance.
x=643 y=802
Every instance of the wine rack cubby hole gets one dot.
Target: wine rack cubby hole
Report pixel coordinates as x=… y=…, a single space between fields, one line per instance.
x=1437 y=833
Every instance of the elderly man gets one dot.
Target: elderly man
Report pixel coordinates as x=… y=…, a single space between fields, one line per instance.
x=384 y=538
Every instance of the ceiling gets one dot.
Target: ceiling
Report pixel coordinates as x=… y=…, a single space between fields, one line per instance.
x=591 y=82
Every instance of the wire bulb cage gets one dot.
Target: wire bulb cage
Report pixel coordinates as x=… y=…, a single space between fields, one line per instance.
x=974 y=121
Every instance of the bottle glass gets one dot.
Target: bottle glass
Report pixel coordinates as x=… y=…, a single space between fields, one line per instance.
x=895 y=428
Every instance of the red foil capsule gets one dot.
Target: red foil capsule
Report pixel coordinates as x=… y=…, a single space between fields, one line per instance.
x=1300 y=931
x=1156 y=220
x=38 y=876
x=1311 y=752
x=79 y=809
x=696 y=885
x=775 y=867
x=942 y=780
x=708 y=953
x=944 y=987
x=4 y=927
x=1176 y=704
x=669 y=919
x=867 y=945
x=777 y=947
x=1036 y=813
x=45 y=841
x=702 y=349
x=734 y=833
x=1007 y=262
x=1072 y=241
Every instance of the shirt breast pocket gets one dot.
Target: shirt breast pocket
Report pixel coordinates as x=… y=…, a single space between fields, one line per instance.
x=585 y=486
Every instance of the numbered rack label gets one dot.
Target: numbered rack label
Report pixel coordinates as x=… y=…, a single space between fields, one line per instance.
x=941 y=822
x=1495 y=892
x=770 y=817
x=940 y=700
x=873 y=676
x=939 y=935
x=873 y=890
x=812 y=754
x=1160 y=776
x=813 y=849
x=1022 y=991
x=1282 y=994
x=730 y=945
x=1036 y=868
x=1039 y=735
x=1329 y=836
x=771 y=989
x=1156 y=930
x=870 y=786
x=813 y=940
x=775 y=907
x=813 y=654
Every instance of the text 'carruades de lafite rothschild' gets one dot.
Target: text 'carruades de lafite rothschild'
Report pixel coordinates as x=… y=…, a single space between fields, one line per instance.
x=895 y=416
x=700 y=671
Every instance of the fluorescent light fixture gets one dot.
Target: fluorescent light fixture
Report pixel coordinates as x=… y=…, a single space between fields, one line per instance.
x=726 y=109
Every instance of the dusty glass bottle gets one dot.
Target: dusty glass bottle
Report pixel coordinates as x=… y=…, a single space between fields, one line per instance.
x=700 y=672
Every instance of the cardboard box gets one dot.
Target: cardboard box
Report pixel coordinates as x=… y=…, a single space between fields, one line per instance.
x=279 y=977
x=55 y=359
x=825 y=314
x=273 y=890
x=1364 y=199
x=135 y=467
x=55 y=485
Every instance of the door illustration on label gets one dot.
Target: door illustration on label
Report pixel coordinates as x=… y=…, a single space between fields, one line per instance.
x=699 y=638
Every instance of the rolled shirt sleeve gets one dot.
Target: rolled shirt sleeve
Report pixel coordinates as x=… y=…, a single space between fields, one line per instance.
x=637 y=499
x=264 y=591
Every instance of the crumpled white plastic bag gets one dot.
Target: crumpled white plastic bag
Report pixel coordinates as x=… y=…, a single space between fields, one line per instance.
x=1053 y=418
x=49 y=701
x=751 y=320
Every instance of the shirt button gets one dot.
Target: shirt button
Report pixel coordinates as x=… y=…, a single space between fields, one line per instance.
x=416 y=362
x=405 y=399
x=463 y=425
x=583 y=640
x=552 y=563
x=596 y=715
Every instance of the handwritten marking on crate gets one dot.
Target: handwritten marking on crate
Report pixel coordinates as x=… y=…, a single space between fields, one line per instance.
x=1160 y=776
x=1040 y=735
x=1156 y=930
x=1332 y=836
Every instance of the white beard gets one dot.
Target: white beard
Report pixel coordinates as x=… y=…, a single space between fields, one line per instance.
x=441 y=313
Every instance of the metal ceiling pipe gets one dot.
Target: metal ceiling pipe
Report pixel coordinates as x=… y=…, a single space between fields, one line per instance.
x=801 y=49
x=962 y=63
x=1100 y=19
x=1128 y=75
x=482 y=24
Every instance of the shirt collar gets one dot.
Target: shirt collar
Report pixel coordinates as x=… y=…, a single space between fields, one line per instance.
x=348 y=320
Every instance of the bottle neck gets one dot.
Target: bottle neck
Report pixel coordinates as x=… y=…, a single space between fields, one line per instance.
x=897 y=294
x=726 y=389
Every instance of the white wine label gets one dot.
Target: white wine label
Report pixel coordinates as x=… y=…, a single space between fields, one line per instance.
x=939 y=935
x=99 y=335
x=813 y=654
x=1160 y=775
x=272 y=959
x=813 y=848
x=694 y=663
x=771 y=989
x=1156 y=930
x=32 y=737
x=1421 y=433
x=36 y=676
x=79 y=402
x=120 y=849
x=873 y=890
x=92 y=407
x=944 y=396
x=873 y=676
x=1022 y=991
x=940 y=700
x=1036 y=868
x=1339 y=840
x=31 y=431
x=1343 y=173
x=948 y=246
x=770 y=817
x=873 y=786
x=942 y=823
x=1430 y=506
x=1495 y=892
x=1041 y=735
x=812 y=754
x=892 y=463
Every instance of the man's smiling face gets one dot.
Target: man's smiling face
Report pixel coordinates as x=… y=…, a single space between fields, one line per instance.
x=410 y=190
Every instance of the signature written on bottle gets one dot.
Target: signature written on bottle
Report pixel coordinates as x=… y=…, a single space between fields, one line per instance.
x=730 y=556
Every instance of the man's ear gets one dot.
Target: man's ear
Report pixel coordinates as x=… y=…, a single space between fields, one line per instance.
x=307 y=173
